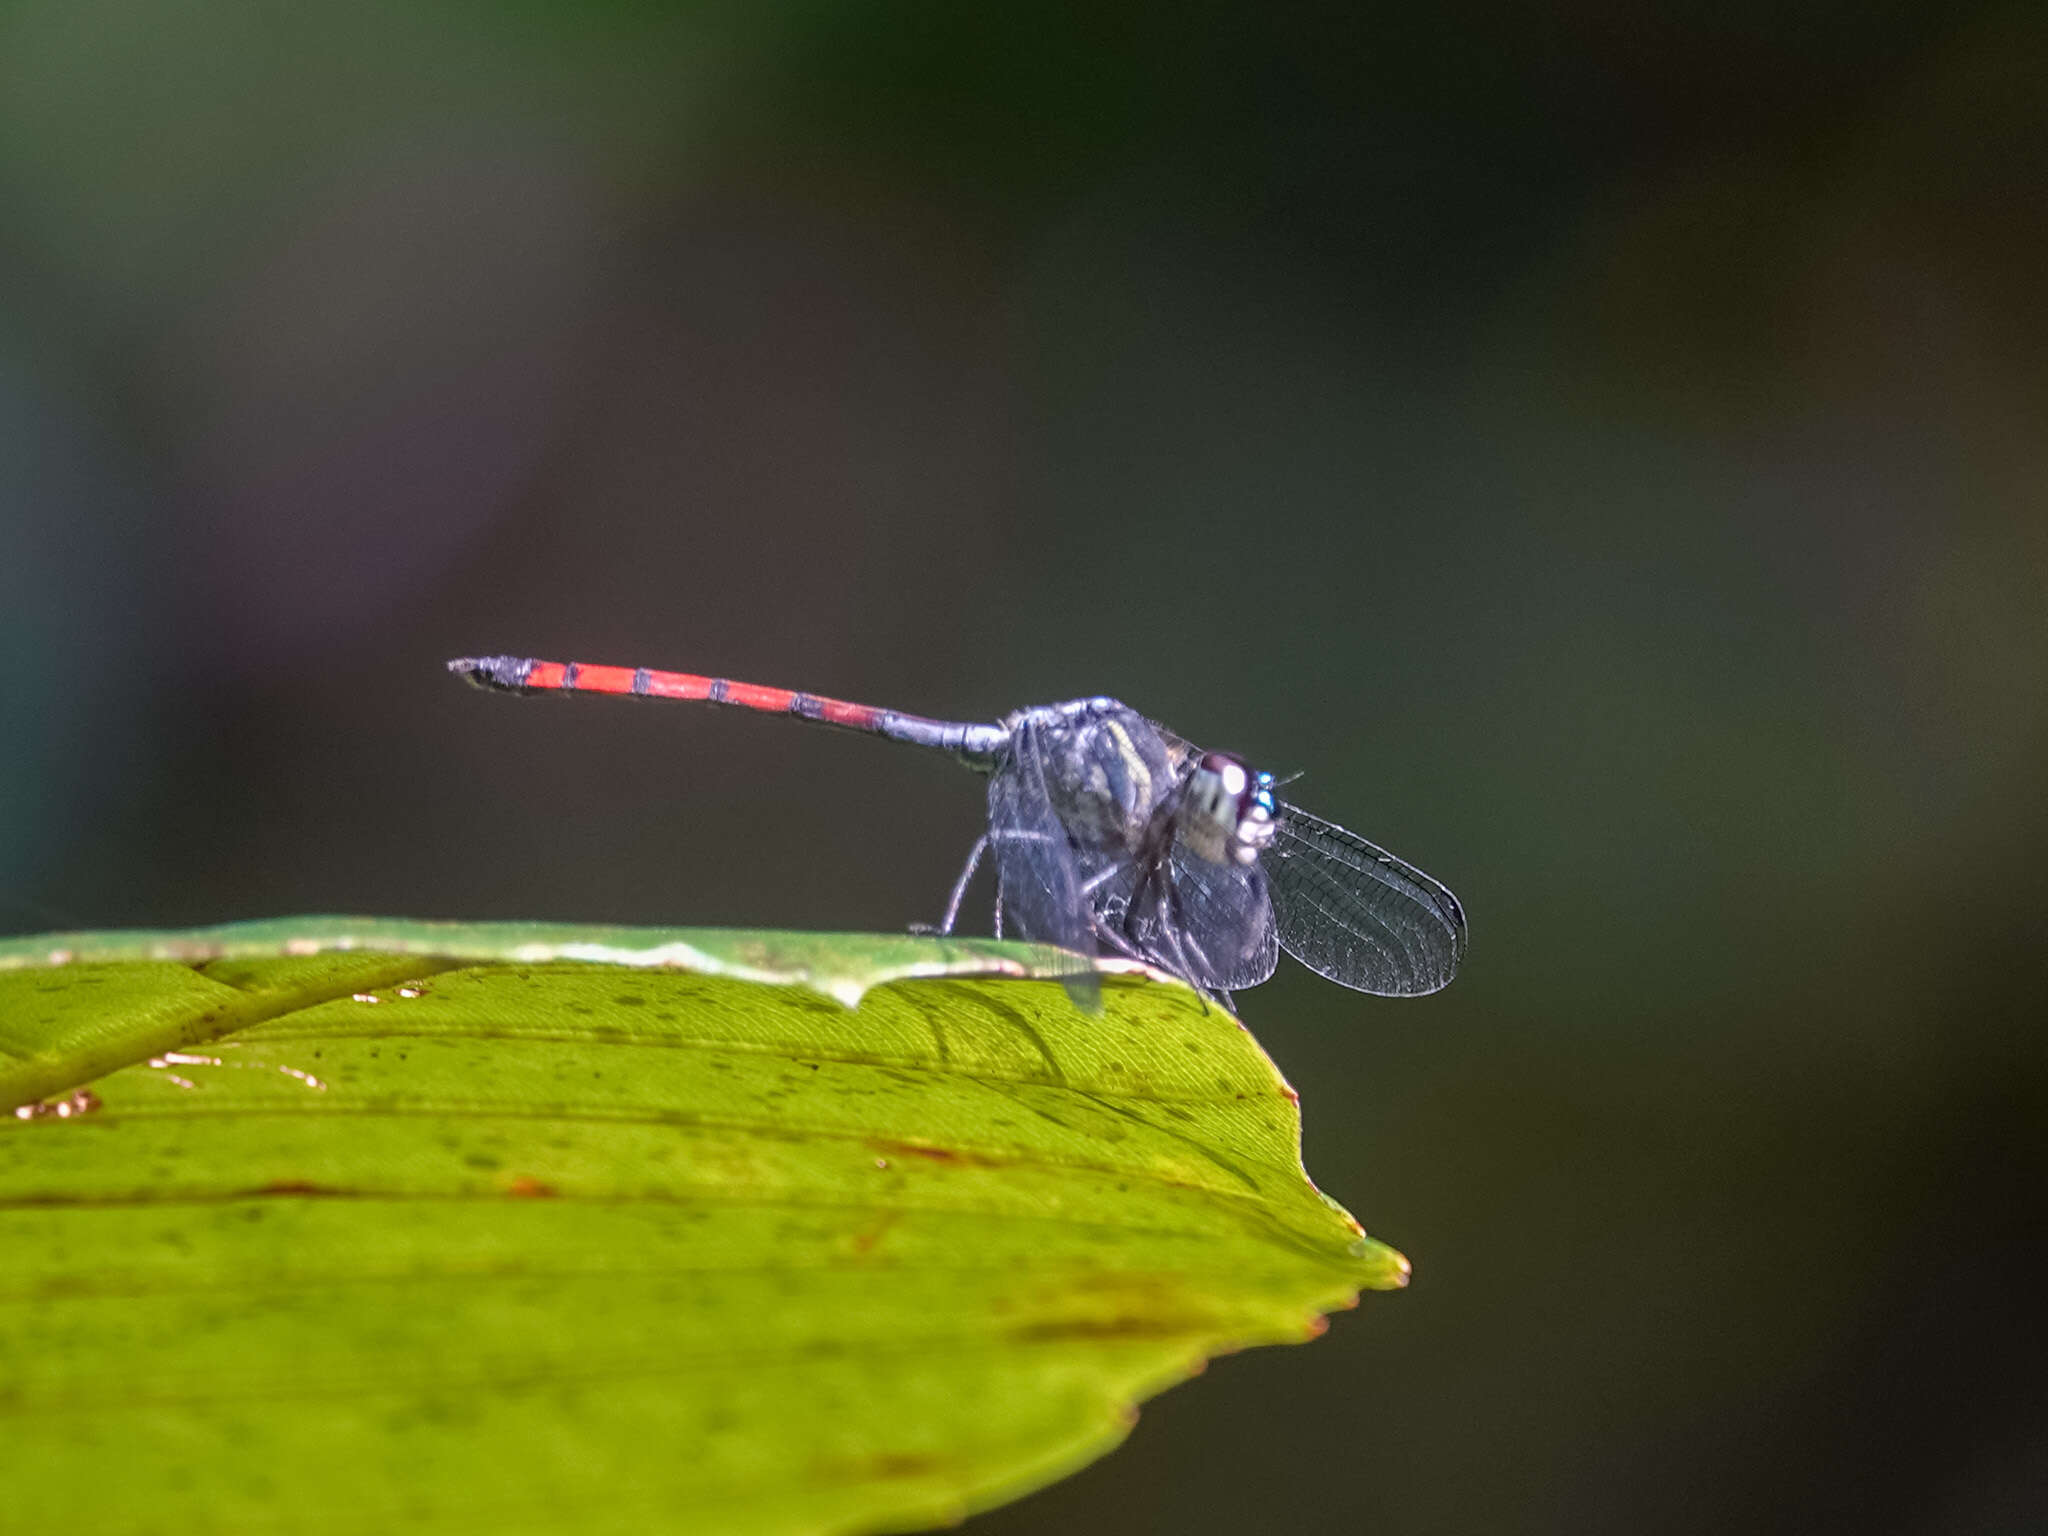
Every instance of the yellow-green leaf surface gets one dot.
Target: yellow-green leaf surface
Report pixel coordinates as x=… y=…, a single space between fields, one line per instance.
x=343 y=1225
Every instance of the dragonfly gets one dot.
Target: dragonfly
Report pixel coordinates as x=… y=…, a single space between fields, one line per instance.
x=1112 y=835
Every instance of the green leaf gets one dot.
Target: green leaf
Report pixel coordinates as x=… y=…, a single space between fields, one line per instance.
x=337 y=1225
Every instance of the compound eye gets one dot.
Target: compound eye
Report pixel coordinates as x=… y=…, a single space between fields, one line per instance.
x=1262 y=793
x=1231 y=774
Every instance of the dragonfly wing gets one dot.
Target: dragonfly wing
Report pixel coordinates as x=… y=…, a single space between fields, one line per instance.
x=1036 y=869
x=1353 y=912
x=1225 y=917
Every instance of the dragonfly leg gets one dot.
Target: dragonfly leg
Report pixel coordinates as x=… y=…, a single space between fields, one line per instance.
x=959 y=893
x=1096 y=882
x=1125 y=936
x=1170 y=956
x=1117 y=941
x=1180 y=944
x=960 y=890
x=1185 y=948
x=974 y=858
x=1184 y=940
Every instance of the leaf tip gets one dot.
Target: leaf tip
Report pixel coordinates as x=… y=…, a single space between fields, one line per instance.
x=1388 y=1268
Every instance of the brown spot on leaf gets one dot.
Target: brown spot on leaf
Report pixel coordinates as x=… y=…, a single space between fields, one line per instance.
x=866 y=1238
x=525 y=1186
x=884 y=1464
x=903 y=1464
x=955 y=1155
x=1136 y=1326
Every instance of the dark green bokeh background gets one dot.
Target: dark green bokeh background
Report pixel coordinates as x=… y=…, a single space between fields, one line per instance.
x=1603 y=445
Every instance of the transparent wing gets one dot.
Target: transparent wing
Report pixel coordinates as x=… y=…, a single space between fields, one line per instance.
x=1179 y=750
x=1225 y=918
x=1353 y=912
x=1035 y=866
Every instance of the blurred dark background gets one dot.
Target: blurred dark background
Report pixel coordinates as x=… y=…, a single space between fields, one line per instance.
x=1603 y=444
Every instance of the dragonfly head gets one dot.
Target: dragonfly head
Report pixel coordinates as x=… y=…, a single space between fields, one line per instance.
x=1227 y=810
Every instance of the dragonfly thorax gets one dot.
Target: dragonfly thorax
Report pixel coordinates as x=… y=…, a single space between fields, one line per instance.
x=1226 y=810
x=1105 y=769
